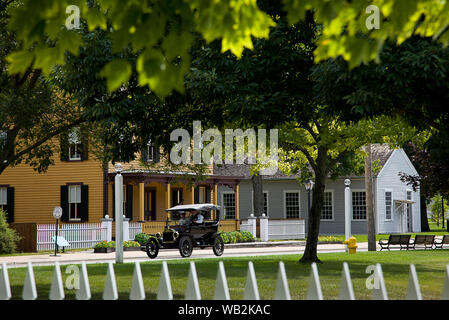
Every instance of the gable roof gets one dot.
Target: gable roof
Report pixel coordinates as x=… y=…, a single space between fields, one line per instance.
x=381 y=152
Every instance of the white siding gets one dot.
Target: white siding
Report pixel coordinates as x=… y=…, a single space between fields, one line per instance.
x=388 y=179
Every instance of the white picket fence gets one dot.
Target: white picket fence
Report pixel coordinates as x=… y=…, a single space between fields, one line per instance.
x=79 y=236
x=284 y=229
x=251 y=291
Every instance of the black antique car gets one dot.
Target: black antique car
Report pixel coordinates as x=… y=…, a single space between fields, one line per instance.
x=188 y=226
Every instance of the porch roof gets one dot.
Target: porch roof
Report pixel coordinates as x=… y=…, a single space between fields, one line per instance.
x=147 y=176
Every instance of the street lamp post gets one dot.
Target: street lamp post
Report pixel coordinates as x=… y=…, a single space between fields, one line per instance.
x=309 y=187
x=118 y=214
x=347 y=210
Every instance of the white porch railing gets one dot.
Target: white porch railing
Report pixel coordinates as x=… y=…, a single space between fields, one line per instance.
x=134 y=228
x=82 y=235
x=284 y=229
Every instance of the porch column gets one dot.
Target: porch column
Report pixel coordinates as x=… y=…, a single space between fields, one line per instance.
x=141 y=201
x=215 y=201
x=167 y=195
x=237 y=202
x=193 y=195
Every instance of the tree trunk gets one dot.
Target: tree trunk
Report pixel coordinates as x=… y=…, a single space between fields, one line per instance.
x=258 y=198
x=371 y=226
x=424 y=220
x=442 y=210
x=313 y=229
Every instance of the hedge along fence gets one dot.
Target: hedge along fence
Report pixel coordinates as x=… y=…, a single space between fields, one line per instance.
x=192 y=292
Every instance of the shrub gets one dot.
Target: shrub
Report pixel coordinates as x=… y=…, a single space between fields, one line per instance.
x=131 y=244
x=105 y=244
x=141 y=238
x=237 y=236
x=8 y=237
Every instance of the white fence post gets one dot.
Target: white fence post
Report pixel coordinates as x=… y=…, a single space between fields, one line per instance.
x=57 y=287
x=137 y=288
x=413 y=290
x=282 y=292
x=252 y=224
x=346 y=289
x=445 y=294
x=83 y=292
x=125 y=229
x=251 y=289
x=221 y=286
x=314 y=292
x=379 y=292
x=164 y=292
x=106 y=226
x=110 y=288
x=29 y=291
x=193 y=288
x=5 y=288
x=264 y=228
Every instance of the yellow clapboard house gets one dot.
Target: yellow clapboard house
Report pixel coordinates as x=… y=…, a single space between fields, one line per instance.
x=79 y=184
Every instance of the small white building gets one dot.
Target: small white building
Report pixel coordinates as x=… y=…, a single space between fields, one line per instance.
x=396 y=205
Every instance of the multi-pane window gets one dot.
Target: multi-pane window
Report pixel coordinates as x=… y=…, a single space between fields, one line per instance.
x=327 y=211
x=388 y=205
x=150 y=152
x=74 y=144
x=358 y=205
x=292 y=205
x=74 y=202
x=3 y=198
x=229 y=205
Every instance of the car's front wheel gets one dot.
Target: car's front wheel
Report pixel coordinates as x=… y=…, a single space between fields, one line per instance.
x=152 y=248
x=218 y=246
x=185 y=246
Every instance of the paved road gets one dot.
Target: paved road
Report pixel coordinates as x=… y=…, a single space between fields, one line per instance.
x=131 y=256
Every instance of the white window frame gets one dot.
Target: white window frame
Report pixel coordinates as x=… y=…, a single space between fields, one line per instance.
x=352 y=211
x=268 y=201
x=222 y=203
x=3 y=201
x=331 y=191
x=202 y=194
x=285 y=203
x=150 y=152
x=391 y=204
x=74 y=142
x=76 y=218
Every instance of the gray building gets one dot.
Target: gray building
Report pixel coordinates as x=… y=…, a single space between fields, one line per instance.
x=396 y=205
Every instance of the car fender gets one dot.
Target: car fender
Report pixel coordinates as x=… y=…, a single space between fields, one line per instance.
x=155 y=238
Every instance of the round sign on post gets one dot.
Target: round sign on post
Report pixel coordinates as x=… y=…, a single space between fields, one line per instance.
x=57 y=212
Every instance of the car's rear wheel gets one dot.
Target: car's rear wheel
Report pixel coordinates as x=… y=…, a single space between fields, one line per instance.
x=218 y=246
x=152 y=248
x=185 y=246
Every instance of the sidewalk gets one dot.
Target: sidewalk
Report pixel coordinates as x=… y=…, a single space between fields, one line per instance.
x=231 y=250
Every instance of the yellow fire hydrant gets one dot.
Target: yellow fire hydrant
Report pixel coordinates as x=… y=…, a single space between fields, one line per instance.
x=352 y=245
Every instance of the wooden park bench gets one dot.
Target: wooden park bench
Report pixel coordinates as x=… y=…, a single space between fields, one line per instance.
x=403 y=240
x=440 y=243
x=422 y=239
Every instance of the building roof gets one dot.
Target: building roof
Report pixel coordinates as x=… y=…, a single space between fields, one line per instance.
x=381 y=152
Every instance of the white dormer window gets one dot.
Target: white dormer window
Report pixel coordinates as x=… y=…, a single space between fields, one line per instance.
x=74 y=144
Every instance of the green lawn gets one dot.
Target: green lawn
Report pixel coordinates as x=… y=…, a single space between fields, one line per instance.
x=430 y=266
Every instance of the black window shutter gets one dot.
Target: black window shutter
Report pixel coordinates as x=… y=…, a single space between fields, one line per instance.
x=64 y=146
x=10 y=204
x=84 y=208
x=196 y=195
x=156 y=155
x=129 y=201
x=65 y=203
x=145 y=154
x=208 y=194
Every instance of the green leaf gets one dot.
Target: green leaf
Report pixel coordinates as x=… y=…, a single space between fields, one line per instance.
x=116 y=72
x=19 y=61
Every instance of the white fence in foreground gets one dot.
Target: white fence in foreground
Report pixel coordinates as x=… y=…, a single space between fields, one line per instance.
x=192 y=292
